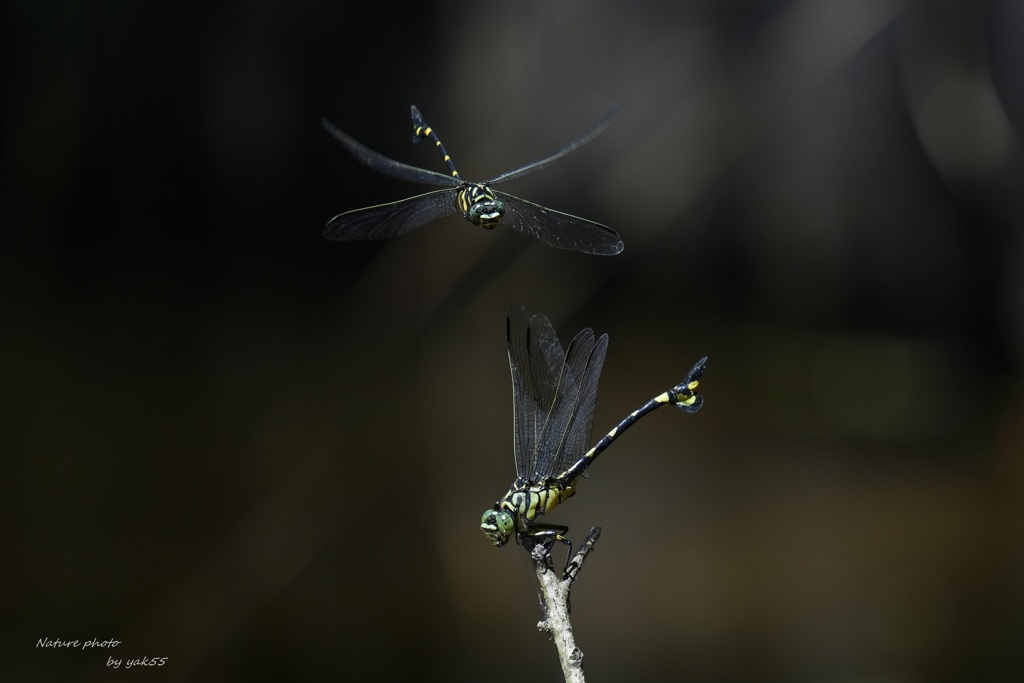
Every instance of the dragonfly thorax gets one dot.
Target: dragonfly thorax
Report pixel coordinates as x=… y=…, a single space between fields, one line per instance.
x=479 y=206
x=519 y=509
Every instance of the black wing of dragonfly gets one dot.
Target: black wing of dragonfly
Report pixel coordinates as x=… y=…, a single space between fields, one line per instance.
x=477 y=202
x=553 y=394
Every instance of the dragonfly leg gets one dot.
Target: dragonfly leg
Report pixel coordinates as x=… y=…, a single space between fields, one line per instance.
x=547 y=535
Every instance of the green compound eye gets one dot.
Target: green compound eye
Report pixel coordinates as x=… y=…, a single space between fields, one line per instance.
x=497 y=526
x=486 y=213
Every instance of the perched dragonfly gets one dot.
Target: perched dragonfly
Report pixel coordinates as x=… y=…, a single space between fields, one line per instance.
x=478 y=203
x=553 y=394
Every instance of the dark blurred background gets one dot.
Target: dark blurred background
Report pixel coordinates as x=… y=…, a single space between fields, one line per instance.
x=229 y=442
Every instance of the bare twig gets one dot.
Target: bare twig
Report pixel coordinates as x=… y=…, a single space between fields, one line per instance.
x=554 y=598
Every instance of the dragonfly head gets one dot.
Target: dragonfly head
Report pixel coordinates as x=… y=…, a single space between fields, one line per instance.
x=480 y=206
x=486 y=213
x=497 y=526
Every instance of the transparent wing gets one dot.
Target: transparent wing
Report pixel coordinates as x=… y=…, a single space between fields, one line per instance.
x=535 y=357
x=583 y=138
x=383 y=164
x=566 y=434
x=557 y=229
x=390 y=220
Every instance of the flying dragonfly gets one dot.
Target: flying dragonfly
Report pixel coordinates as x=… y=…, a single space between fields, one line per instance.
x=478 y=203
x=553 y=394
